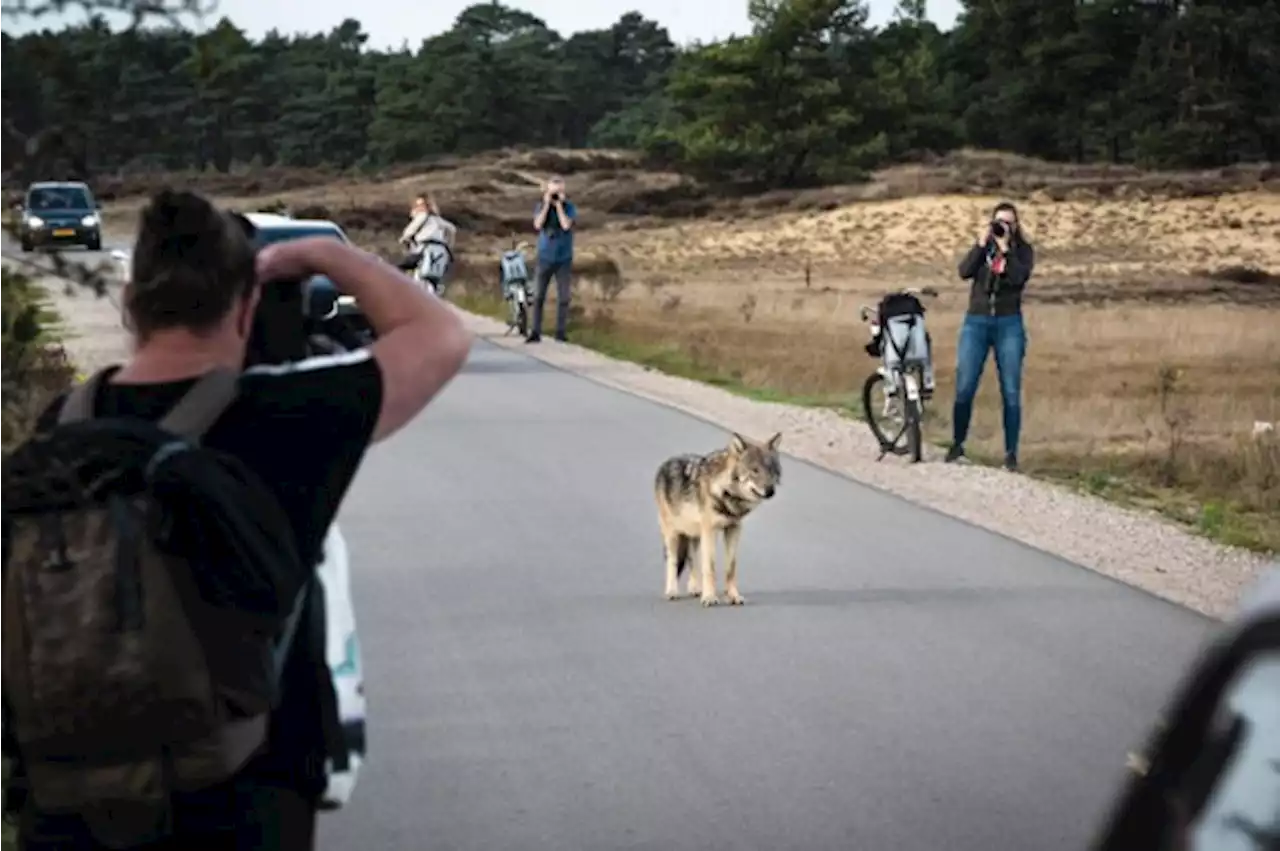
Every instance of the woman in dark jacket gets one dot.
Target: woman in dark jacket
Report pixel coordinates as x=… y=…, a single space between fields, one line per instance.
x=999 y=265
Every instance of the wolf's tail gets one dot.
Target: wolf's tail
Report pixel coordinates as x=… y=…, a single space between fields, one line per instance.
x=682 y=554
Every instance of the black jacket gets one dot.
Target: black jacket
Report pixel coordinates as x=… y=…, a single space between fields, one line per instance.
x=997 y=295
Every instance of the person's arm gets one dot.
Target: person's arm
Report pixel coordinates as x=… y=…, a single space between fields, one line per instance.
x=415 y=224
x=540 y=214
x=421 y=342
x=1020 y=262
x=972 y=261
x=566 y=213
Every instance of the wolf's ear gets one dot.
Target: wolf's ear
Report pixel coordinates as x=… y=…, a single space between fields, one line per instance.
x=775 y=442
x=738 y=445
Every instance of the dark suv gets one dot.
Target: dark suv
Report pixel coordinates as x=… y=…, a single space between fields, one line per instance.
x=60 y=213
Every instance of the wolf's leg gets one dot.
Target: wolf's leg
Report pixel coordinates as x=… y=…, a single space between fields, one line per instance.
x=732 y=535
x=677 y=550
x=694 y=588
x=707 y=559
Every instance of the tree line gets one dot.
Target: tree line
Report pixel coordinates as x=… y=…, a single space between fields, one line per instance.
x=813 y=93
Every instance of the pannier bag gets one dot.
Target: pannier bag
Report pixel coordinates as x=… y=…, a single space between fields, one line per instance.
x=903 y=339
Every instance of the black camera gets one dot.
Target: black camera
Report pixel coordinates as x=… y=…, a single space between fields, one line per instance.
x=556 y=198
x=999 y=229
x=297 y=319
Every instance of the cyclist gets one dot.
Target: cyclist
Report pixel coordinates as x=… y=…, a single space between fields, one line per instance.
x=425 y=223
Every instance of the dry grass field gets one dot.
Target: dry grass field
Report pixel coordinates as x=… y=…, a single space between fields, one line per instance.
x=1153 y=316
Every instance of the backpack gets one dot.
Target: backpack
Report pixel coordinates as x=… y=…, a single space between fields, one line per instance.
x=515 y=270
x=435 y=261
x=152 y=588
x=344 y=720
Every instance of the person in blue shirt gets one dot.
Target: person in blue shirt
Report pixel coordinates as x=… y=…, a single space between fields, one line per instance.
x=553 y=219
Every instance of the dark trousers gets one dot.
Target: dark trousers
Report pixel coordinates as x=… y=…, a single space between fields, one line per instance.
x=237 y=816
x=562 y=273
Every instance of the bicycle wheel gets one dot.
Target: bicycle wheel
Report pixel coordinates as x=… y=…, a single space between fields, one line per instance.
x=884 y=420
x=522 y=319
x=911 y=414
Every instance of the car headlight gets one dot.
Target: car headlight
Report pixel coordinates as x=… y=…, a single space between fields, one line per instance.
x=35 y=222
x=89 y=220
x=346 y=300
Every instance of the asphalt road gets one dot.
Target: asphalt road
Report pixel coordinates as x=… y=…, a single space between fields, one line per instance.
x=898 y=680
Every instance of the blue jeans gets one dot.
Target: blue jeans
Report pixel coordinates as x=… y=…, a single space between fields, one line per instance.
x=979 y=335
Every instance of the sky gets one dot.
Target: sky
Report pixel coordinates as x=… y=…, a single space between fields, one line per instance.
x=391 y=23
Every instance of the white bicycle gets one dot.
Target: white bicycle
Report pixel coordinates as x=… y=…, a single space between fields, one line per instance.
x=894 y=396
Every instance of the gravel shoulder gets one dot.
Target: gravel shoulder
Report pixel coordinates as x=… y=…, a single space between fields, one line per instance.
x=1135 y=547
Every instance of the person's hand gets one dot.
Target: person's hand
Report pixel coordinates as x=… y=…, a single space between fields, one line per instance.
x=983 y=235
x=1003 y=242
x=293 y=260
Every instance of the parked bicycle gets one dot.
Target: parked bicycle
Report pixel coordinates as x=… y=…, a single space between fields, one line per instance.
x=515 y=281
x=894 y=397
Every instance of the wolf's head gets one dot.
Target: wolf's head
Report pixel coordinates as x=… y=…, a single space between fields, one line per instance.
x=756 y=469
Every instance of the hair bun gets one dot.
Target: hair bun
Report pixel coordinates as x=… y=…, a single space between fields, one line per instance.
x=179 y=220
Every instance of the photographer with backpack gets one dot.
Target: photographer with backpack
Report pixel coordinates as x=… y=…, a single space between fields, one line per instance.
x=999 y=264
x=164 y=654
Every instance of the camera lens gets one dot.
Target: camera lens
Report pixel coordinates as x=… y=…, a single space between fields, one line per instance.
x=999 y=228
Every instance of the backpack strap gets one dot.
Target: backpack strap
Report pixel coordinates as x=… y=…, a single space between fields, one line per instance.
x=79 y=403
x=200 y=408
x=195 y=412
x=285 y=644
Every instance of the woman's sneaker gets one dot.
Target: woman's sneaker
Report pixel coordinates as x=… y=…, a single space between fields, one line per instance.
x=955 y=453
x=1011 y=462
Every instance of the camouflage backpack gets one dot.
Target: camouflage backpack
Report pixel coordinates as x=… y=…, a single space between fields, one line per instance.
x=151 y=590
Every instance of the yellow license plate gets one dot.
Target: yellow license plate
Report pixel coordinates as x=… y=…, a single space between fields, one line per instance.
x=64 y=232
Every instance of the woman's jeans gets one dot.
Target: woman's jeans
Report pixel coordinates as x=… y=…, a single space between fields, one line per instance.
x=979 y=335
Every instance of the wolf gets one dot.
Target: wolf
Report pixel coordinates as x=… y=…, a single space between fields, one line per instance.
x=698 y=494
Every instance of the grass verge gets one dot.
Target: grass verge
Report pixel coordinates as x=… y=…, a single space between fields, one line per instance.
x=1227 y=490
x=35 y=365
x=669 y=358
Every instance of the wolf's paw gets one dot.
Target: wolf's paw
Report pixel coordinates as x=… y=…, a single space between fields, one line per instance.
x=710 y=600
x=736 y=599
x=671 y=594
